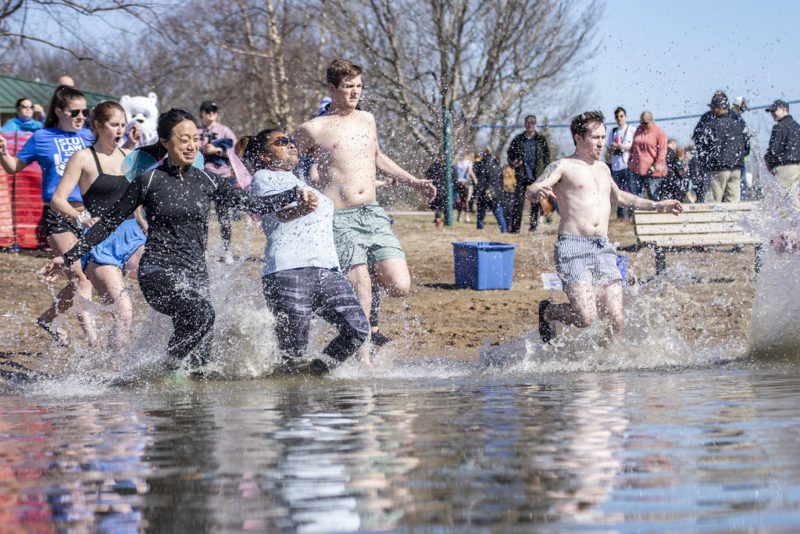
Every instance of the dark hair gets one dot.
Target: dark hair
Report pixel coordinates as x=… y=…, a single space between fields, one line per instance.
x=580 y=123
x=620 y=108
x=529 y=117
x=339 y=69
x=241 y=145
x=167 y=122
x=256 y=145
x=21 y=100
x=103 y=111
x=60 y=99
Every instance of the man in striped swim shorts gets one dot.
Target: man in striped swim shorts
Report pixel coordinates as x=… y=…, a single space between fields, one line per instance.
x=585 y=261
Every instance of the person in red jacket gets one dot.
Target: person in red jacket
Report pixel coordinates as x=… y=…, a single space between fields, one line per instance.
x=648 y=160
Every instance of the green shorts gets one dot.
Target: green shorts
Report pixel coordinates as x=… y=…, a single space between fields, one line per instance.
x=364 y=235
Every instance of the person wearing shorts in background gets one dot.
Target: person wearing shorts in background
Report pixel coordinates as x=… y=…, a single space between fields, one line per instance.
x=585 y=261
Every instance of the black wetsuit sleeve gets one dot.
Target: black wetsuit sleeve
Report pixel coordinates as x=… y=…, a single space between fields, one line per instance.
x=231 y=196
x=124 y=207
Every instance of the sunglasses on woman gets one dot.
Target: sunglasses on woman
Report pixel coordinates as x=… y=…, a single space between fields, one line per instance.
x=75 y=112
x=284 y=141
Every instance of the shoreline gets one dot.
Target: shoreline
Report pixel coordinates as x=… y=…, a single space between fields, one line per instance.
x=437 y=319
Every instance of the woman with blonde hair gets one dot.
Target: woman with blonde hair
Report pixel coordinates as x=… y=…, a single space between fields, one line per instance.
x=97 y=171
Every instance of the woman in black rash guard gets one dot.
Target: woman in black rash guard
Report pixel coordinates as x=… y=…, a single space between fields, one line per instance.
x=176 y=197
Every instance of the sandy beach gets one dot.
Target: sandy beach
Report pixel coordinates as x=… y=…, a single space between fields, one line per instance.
x=439 y=320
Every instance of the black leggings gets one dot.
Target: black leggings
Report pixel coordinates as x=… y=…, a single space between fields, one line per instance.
x=294 y=295
x=186 y=302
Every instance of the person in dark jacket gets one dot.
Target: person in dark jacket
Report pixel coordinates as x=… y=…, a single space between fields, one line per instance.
x=436 y=173
x=177 y=199
x=703 y=145
x=529 y=154
x=783 y=154
x=676 y=183
x=727 y=145
x=489 y=190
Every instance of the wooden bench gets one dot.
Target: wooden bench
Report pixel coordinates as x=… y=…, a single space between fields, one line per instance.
x=700 y=225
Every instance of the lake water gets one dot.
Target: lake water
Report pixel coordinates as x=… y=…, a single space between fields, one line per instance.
x=649 y=433
x=433 y=446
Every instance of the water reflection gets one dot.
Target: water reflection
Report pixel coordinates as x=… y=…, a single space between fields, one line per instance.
x=77 y=468
x=656 y=451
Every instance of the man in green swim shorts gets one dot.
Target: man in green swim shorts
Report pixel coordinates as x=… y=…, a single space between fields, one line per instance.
x=363 y=235
x=344 y=145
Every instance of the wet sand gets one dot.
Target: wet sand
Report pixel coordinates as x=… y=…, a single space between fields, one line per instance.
x=706 y=295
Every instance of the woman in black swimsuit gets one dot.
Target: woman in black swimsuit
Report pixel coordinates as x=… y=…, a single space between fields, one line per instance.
x=176 y=197
x=119 y=254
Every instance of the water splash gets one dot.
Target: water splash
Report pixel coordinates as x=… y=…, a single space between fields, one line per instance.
x=774 y=330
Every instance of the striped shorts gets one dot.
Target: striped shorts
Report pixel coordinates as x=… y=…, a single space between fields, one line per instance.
x=582 y=258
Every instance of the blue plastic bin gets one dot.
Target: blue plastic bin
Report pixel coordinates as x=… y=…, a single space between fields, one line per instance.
x=483 y=264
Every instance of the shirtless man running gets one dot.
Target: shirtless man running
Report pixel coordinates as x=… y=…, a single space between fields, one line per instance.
x=585 y=261
x=344 y=145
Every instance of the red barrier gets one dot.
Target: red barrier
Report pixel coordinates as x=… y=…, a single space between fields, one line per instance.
x=21 y=201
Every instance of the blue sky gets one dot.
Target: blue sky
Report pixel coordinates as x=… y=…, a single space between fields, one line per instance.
x=670 y=57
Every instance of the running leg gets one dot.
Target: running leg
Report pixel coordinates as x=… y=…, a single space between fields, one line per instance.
x=336 y=302
x=610 y=305
x=61 y=243
x=191 y=313
x=581 y=310
x=107 y=280
x=362 y=286
x=289 y=296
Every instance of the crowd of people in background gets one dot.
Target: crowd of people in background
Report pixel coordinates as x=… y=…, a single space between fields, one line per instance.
x=643 y=161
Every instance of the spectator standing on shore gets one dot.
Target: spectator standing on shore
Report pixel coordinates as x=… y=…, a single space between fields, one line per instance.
x=675 y=185
x=727 y=144
x=465 y=184
x=696 y=176
x=702 y=142
x=648 y=159
x=619 y=143
x=783 y=154
x=215 y=141
x=489 y=191
x=738 y=107
x=24 y=121
x=436 y=173
x=529 y=154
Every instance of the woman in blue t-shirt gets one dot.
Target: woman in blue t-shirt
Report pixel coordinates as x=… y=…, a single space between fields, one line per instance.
x=63 y=135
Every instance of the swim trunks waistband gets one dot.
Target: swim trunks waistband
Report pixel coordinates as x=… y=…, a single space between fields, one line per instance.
x=366 y=205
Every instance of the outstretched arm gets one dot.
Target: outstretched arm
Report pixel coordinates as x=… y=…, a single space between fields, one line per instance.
x=627 y=200
x=11 y=164
x=543 y=186
x=397 y=174
x=229 y=195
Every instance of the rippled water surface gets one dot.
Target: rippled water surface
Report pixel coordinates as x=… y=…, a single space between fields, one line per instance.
x=711 y=448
